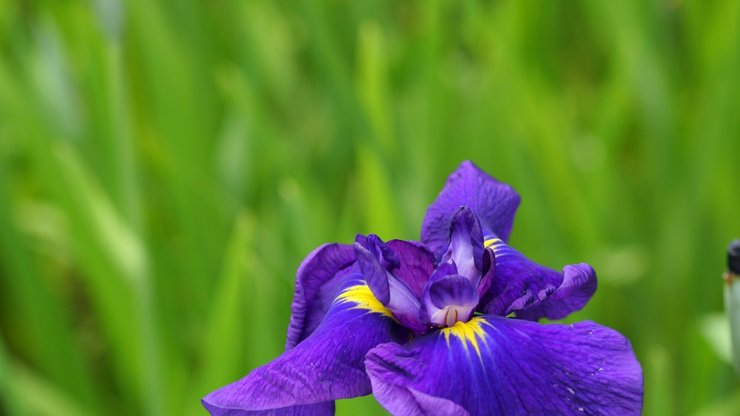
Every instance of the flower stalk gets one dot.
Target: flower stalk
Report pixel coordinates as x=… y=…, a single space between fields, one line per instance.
x=732 y=299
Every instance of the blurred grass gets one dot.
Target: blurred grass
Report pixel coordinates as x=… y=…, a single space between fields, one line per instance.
x=164 y=167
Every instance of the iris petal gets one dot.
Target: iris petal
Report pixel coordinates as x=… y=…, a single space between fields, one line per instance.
x=493 y=202
x=532 y=291
x=489 y=263
x=373 y=271
x=327 y=365
x=448 y=298
x=501 y=366
x=577 y=287
x=319 y=409
x=386 y=275
x=466 y=244
x=416 y=264
x=318 y=279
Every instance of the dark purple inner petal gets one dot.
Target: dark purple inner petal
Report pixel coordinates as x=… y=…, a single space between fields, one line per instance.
x=391 y=270
x=489 y=268
x=380 y=249
x=416 y=264
x=373 y=272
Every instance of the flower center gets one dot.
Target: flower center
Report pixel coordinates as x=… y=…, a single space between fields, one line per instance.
x=451 y=314
x=448 y=298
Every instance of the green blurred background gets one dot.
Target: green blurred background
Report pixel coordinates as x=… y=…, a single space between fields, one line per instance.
x=165 y=166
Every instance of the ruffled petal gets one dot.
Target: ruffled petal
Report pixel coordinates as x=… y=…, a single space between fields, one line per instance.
x=498 y=366
x=327 y=365
x=493 y=202
x=578 y=285
x=532 y=291
x=318 y=279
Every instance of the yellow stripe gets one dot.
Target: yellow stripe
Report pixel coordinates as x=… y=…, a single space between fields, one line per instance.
x=491 y=242
x=363 y=298
x=467 y=332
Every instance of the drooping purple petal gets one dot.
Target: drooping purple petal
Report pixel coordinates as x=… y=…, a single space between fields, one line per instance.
x=318 y=279
x=319 y=409
x=533 y=291
x=416 y=264
x=493 y=202
x=411 y=402
x=498 y=366
x=466 y=244
x=327 y=365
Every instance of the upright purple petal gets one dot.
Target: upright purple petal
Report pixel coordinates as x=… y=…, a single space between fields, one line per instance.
x=327 y=365
x=493 y=202
x=505 y=367
x=466 y=244
x=318 y=279
x=533 y=291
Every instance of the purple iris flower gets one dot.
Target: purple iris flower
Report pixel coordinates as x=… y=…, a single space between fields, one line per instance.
x=445 y=326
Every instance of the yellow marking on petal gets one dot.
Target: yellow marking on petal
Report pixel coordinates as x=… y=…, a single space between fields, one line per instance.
x=363 y=298
x=467 y=332
x=490 y=242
